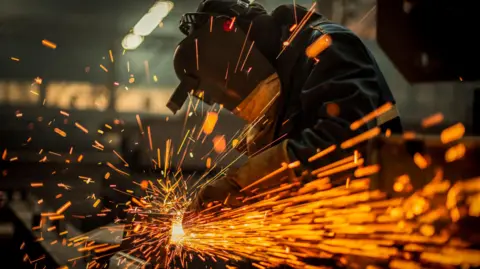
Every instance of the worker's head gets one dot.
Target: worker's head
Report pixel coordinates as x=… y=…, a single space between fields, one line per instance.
x=227 y=56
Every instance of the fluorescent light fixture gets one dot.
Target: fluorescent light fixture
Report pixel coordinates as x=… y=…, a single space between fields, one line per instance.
x=132 y=41
x=150 y=21
x=162 y=8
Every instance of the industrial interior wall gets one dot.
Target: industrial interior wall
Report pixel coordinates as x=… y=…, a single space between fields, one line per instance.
x=453 y=99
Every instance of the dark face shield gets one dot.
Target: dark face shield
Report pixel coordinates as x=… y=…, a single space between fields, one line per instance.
x=192 y=21
x=217 y=64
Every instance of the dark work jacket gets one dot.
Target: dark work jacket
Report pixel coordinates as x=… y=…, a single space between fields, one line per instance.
x=346 y=75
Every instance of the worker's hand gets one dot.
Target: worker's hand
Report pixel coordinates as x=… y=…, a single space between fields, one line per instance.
x=218 y=191
x=262 y=166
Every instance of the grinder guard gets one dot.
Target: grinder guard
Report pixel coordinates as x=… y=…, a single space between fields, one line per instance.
x=226 y=69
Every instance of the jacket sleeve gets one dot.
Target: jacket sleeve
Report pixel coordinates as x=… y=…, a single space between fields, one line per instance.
x=342 y=87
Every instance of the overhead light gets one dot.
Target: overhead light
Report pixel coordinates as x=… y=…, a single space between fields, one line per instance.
x=132 y=41
x=150 y=21
x=162 y=8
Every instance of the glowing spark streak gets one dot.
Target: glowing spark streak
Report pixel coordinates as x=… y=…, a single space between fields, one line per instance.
x=137 y=202
x=60 y=132
x=49 y=44
x=100 y=250
x=432 y=120
x=184 y=138
x=372 y=115
x=452 y=133
x=367 y=14
x=366 y=171
x=59 y=217
x=150 y=137
x=276 y=172
x=341 y=168
x=300 y=26
x=79 y=126
x=110 y=53
x=117 y=170
x=63 y=208
x=196 y=53
x=280 y=189
x=322 y=153
x=243 y=46
x=318 y=46
x=334 y=164
x=455 y=153
x=420 y=161
x=167 y=154
x=158 y=157
x=211 y=24
x=218 y=175
x=248 y=54
x=361 y=137
x=139 y=121
x=104 y=68
x=92 y=247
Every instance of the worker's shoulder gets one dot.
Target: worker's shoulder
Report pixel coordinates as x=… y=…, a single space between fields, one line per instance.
x=324 y=26
x=341 y=36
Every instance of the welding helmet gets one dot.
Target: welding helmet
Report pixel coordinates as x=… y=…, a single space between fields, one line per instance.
x=220 y=60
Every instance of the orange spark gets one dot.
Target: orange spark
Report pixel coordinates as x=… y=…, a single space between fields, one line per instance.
x=49 y=44
x=79 y=126
x=318 y=46
x=210 y=122
x=63 y=208
x=104 y=68
x=455 y=153
x=322 y=153
x=150 y=137
x=360 y=138
x=219 y=143
x=452 y=133
x=60 y=132
x=372 y=115
x=420 y=161
x=432 y=120
x=139 y=121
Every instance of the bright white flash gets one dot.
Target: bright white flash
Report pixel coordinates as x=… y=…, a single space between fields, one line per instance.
x=177 y=232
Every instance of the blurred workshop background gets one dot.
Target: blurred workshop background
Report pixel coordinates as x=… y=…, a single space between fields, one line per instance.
x=65 y=64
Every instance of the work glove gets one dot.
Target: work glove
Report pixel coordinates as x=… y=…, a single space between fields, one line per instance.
x=255 y=168
x=225 y=190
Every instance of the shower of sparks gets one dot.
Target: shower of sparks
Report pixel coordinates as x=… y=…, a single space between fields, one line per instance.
x=291 y=223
